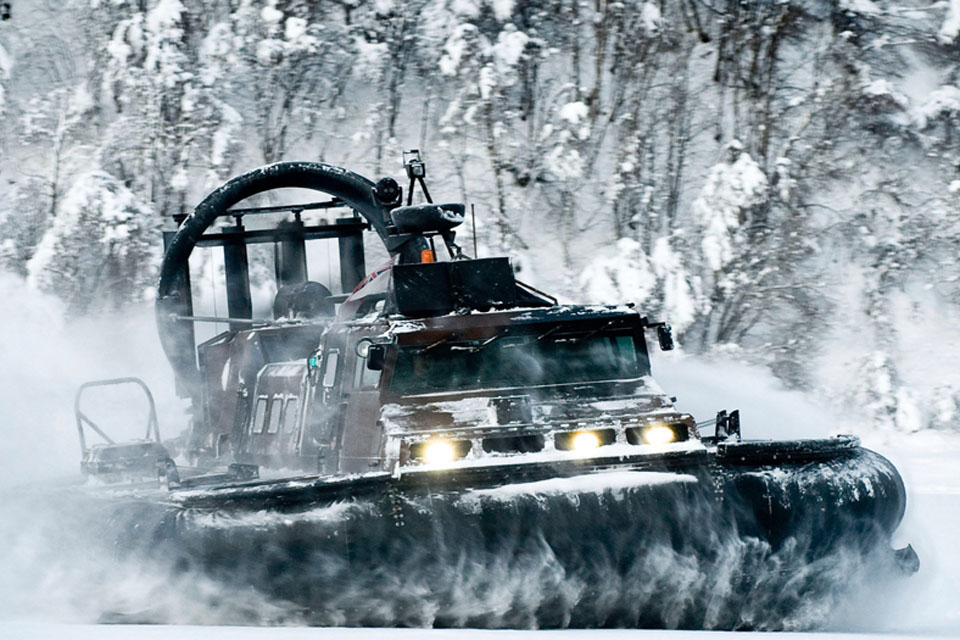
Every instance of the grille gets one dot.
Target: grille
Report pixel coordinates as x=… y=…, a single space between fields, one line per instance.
x=513 y=444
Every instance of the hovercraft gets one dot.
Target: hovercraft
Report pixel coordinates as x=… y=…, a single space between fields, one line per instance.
x=444 y=445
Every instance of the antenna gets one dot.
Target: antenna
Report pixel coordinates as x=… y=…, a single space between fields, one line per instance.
x=473 y=219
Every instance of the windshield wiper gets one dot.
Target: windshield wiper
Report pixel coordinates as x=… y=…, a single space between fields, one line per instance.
x=597 y=330
x=552 y=330
x=474 y=347
x=480 y=345
x=483 y=345
x=575 y=337
x=434 y=345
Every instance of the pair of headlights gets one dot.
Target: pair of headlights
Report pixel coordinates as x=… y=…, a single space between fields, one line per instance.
x=586 y=440
x=442 y=451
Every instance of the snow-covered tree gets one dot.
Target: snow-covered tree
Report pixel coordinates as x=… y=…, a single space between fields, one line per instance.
x=101 y=250
x=593 y=137
x=660 y=283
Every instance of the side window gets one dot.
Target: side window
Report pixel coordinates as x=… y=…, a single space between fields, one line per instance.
x=290 y=415
x=260 y=415
x=330 y=369
x=275 y=407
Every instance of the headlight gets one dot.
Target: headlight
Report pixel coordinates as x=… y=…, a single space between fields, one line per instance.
x=438 y=452
x=584 y=441
x=659 y=434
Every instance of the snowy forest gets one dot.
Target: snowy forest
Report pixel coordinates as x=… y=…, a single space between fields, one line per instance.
x=777 y=179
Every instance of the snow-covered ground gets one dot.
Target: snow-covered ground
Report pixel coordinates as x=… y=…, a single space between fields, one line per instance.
x=39 y=631
x=50 y=357
x=927 y=605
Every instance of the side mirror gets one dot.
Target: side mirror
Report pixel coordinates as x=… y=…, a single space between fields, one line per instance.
x=376 y=354
x=665 y=337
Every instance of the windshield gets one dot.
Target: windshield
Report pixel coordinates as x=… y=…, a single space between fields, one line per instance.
x=516 y=362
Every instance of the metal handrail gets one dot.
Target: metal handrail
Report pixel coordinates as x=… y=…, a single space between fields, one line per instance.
x=152 y=422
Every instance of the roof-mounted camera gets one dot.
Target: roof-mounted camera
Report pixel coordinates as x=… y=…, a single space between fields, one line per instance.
x=416 y=171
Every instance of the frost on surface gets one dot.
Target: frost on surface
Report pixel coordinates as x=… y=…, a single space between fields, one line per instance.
x=101 y=249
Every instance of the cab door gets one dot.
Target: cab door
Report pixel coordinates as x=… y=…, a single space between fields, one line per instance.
x=322 y=431
x=362 y=442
